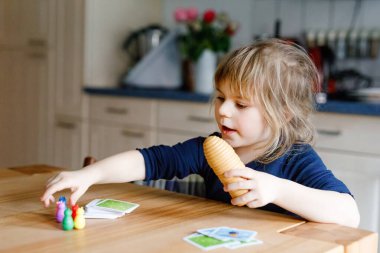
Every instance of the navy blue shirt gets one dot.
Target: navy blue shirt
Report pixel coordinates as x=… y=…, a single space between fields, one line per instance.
x=301 y=164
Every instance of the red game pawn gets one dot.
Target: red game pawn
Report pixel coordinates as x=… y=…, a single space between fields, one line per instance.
x=74 y=209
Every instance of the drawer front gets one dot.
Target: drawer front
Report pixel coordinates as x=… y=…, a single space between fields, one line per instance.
x=186 y=116
x=110 y=140
x=348 y=132
x=138 y=112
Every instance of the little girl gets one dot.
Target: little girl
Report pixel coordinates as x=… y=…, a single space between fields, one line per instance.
x=263 y=104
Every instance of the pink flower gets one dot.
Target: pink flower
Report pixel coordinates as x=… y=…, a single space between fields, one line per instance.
x=181 y=15
x=209 y=16
x=192 y=14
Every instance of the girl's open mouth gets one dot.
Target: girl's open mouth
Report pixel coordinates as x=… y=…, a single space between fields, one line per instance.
x=227 y=130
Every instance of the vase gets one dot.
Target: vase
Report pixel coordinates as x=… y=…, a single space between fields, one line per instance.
x=204 y=72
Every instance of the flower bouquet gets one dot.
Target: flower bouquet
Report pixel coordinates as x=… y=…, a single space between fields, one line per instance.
x=211 y=31
x=201 y=39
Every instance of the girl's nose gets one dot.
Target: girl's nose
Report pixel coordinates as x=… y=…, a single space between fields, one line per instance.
x=226 y=109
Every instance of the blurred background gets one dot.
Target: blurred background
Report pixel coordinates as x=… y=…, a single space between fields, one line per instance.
x=97 y=77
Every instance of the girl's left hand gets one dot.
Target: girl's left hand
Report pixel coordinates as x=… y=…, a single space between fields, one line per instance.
x=263 y=188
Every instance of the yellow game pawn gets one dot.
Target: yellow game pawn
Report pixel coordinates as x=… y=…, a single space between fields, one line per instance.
x=80 y=221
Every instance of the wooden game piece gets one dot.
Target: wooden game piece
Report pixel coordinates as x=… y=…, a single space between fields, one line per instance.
x=68 y=223
x=80 y=221
x=60 y=213
x=62 y=199
x=74 y=209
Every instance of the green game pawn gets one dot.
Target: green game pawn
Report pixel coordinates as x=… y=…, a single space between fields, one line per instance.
x=68 y=223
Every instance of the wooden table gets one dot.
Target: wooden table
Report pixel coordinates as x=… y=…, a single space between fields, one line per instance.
x=158 y=225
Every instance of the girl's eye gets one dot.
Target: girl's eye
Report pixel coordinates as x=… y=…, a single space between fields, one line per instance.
x=241 y=106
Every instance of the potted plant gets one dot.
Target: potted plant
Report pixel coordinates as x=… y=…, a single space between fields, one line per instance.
x=201 y=38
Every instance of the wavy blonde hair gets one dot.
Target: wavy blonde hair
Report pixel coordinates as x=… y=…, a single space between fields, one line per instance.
x=279 y=77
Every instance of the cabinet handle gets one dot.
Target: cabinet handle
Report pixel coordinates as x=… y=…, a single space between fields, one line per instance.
x=329 y=132
x=66 y=125
x=114 y=110
x=36 y=42
x=129 y=133
x=37 y=55
x=200 y=119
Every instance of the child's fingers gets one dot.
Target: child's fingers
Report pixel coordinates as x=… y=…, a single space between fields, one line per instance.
x=77 y=193
x=244 y=199
x=241 y=185
x=245 y=173
x=48 y=195
x=254 y=204
x=48 y=200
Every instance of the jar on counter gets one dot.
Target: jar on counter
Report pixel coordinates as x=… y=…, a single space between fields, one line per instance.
x=374 y=43
x=363 y=48
x=352 y=44
x=341 y=45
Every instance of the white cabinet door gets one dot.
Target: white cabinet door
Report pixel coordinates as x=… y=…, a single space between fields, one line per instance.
x=25 y=23
x=109 y=140
x=361 y=174
x=69 y=50
x=68 y=144
x=196 y=118
x=172 y=138
x=23 y=127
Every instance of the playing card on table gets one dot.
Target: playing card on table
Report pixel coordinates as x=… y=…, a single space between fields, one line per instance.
x=207 y=243
x=207 y=231
x=226 y=233
x=244 y=244
x=108 y=208
x=116 y=205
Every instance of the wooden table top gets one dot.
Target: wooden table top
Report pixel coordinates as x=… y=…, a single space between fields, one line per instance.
x=158 y=225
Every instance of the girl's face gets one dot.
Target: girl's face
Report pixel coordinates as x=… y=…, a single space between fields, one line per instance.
x=240 y=121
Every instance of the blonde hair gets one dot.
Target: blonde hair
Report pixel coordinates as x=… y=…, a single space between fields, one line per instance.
x=279 y=77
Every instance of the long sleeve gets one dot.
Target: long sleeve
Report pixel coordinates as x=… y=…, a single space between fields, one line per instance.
x=180 y=160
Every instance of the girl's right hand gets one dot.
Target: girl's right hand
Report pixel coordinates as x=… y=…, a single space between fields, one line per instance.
x=78 y=181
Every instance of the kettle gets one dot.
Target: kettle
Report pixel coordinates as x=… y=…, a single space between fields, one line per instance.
x=139 y=42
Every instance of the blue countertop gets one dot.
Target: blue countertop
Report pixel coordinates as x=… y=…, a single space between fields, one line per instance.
x=333 y=106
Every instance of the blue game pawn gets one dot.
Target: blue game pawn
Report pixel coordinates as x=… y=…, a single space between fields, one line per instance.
x=68 y=223
x=62 y=199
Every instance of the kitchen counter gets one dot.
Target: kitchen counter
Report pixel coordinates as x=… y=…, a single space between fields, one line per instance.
x=333 y=106
x=158 y=225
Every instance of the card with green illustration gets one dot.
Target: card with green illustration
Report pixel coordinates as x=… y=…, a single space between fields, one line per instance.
x=245 y=244
x=116 y=205
x=207 y=243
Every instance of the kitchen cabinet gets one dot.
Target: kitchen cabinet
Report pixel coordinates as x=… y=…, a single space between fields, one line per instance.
x=69 y=98
x=25 y=23
x=26 y=58
x=70 y=136
x=107 y=140
x=70 y=143
x=23 y=108
x=118 y=125
x=185 y=118
x=350 y=147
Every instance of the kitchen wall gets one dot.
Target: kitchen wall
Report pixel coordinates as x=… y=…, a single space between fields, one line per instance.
x=257 y=17
x=107 y=24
